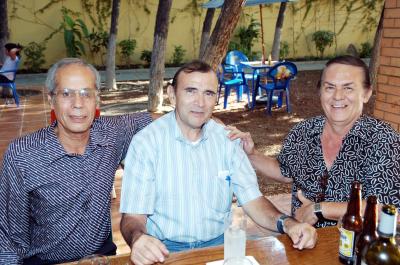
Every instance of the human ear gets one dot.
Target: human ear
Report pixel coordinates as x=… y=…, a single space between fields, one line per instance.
x=367 y=94
x=171 y=94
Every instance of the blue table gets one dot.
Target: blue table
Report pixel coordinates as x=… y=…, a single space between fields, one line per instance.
x=256 y=66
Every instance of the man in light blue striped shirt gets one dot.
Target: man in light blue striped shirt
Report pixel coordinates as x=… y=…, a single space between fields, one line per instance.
x=180 y=173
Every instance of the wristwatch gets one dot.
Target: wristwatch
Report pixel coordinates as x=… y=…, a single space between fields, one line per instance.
x=318 y=211
x=279 y=223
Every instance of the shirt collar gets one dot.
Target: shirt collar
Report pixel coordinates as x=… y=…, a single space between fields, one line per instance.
x=56 y=151
x=357 y=129
x=178 y=132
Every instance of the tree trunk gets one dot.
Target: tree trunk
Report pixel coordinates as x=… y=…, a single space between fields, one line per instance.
x=222 y=33
x=205 y=35
x=3 y=28
x=112 y=46
x=278 y=29
x=374 y=62
x=157 y=68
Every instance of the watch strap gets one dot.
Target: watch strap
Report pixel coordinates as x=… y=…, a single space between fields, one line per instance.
x=279 y=223
x=318 y=211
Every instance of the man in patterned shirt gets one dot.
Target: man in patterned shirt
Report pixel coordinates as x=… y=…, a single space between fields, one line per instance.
x=55 y=183
x=179 y=175
x=323 y=155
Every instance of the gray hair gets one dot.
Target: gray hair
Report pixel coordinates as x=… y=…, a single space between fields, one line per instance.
x=51 y=74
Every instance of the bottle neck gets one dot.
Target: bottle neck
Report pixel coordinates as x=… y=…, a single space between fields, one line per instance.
x=370 y=218
x=354 y=207
x=387 y=225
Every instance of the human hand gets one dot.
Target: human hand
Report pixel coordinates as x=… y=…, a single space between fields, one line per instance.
x=245 y=137
x=306 y=212
x=148 y=250
x=303 y=235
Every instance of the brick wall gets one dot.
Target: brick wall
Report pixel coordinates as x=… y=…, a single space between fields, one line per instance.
x=387 y=104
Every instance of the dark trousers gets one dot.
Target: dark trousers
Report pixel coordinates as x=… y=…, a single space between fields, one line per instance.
x=6 y=91
x=108 y=249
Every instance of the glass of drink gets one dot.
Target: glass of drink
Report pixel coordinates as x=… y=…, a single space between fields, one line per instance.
x=94 y=259
x=238 y=261
x=235 y=237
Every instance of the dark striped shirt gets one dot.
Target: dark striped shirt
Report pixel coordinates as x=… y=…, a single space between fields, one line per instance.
x=56 y=205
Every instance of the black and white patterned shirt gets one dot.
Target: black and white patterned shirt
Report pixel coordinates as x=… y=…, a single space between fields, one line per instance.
x=370 y=153
x=56 y=205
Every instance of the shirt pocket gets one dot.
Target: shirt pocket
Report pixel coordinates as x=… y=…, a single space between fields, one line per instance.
x=217 y=192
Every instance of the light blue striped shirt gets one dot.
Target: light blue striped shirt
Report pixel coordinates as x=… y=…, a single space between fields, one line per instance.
x=181 y=185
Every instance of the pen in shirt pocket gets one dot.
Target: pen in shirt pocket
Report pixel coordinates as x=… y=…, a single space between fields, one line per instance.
x=230 y=193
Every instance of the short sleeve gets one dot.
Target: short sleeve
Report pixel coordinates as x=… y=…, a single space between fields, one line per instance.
x=14 y=213
x=244 y=178
x=138 y=184
x=133 y=123
x=286 y=154
x=383 y=171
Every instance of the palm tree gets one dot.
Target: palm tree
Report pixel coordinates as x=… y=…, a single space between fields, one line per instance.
x=157 y=67
x=222 y=33
x=278 y=29
x=205 y=34
x=112 y=44
x=3 y=28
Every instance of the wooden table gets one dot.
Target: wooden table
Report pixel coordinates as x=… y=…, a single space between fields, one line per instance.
x=267 y=251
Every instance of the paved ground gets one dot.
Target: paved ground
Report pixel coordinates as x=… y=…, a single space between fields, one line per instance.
x=143 y=74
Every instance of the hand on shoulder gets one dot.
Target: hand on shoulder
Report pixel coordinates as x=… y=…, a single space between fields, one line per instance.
x=245 y=137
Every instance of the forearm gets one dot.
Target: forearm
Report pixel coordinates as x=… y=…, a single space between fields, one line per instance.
x=132 y=227
x=335 y=210
x=268 y=166
x=263 y=213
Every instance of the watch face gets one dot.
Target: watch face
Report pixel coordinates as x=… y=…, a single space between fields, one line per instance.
x=317 y=207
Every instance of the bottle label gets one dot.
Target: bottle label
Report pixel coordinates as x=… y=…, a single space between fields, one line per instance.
x=346 y=245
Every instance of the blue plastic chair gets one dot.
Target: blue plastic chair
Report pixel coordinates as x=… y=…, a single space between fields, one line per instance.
x=233 y=59
x=229 y=78
x=11 y=84
x=276 y=82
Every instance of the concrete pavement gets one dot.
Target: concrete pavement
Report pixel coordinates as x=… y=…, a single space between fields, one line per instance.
x=143 y=73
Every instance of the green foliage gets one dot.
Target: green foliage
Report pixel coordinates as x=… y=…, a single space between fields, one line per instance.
x=99 y=12
x=98 y=42
x=127 y=48
x=75 y=31
x=34 y=53
x=284 y=50
x=233 y=45
x=193 y=8
x=146 y=56
x=366 y=50
x=177 y=56
x=322 y=39
x=244 y=39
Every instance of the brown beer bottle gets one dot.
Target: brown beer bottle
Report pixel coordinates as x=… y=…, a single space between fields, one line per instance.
x=369 y=232
x=351 y=225
x=384 y=250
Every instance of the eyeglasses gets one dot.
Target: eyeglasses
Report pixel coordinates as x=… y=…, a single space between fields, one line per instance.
x=69 y=94
x=323 y=183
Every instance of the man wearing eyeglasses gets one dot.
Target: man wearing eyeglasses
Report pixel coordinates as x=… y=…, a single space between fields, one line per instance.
x=55 y=183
